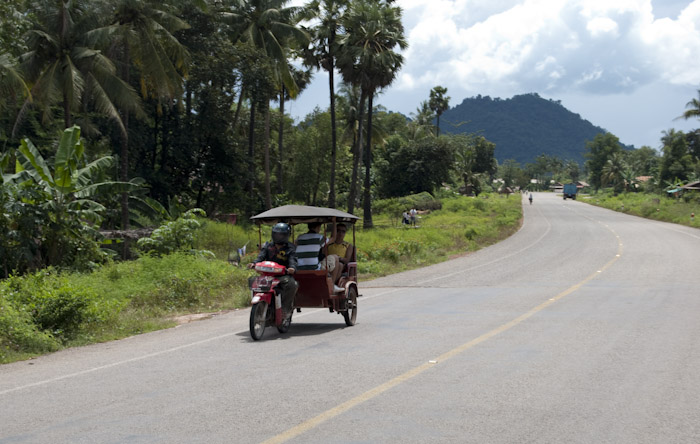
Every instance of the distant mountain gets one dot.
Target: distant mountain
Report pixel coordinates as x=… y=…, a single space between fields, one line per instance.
x=523 y=127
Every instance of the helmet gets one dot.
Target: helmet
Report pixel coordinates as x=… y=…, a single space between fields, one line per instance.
x=280 y=233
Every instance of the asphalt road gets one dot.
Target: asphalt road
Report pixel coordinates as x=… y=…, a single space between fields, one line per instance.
x=581 y=328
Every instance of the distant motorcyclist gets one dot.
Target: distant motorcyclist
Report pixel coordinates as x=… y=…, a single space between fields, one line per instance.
x=283 y=252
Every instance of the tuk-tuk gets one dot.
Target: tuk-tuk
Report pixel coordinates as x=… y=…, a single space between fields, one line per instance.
x=316 y=288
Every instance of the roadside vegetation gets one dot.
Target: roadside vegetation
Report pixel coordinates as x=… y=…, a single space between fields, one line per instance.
x=683 y=211
x=49 y=309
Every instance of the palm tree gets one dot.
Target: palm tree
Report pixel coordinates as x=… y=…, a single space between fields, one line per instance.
x=64 y=66
x=439 y=103
x=142 y=33
x=302 y=79
x=268 y=26
x=421 y=125
x=614 y=172
x=373 y=30
x=11 y=80
x=324 y=53
x=12 y=88
x=693 y=109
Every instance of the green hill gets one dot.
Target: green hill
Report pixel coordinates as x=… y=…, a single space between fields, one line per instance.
x=522 y=127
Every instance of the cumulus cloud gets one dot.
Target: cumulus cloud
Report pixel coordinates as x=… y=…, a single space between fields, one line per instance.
x=629 y=66
x=595 y=46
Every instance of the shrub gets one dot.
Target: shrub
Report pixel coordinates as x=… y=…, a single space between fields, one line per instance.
x=55 y=305
x=421 y=201
x=177 y=235
x=19 y=335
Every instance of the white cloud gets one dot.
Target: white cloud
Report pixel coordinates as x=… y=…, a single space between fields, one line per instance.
x=597 y=45
x=601 y=26
x=585 y=50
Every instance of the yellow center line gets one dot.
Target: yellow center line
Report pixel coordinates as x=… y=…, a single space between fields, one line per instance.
x=376 y=391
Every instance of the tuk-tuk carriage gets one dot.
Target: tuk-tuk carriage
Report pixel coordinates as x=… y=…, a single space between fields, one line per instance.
x=316 y=288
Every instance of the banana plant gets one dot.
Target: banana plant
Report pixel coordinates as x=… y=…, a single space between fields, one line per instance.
x=70 y=187
x=70 y=182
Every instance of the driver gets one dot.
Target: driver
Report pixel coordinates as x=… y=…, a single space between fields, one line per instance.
x=283 y=252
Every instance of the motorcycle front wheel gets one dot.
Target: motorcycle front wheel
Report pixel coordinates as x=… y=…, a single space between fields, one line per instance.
x=258 y=320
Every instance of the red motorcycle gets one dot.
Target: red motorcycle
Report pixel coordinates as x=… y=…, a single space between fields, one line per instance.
x=265 y=297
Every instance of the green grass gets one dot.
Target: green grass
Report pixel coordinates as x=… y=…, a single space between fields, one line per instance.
x=463 y=224
x=652 y=206
x=51 y=310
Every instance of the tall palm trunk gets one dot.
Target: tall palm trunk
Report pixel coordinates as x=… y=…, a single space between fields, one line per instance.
x=280 y=142
x=251 y=151
x=357 y=157
x=367 y=216
x=239 y=105
x=268 y=194
x=124 y=157
x=334 y=140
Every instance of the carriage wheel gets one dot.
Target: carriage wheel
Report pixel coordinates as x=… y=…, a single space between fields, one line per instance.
x=350 y=314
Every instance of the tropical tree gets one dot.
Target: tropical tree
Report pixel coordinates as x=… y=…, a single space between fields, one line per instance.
x=65 y=67
x=302 y=78
x=270 y=27
x=308 y=181
x=508 y=171
x=69 y=188
x=421 y=124
x=693 y=137
x=572 y=170
x=473 y=161
x=11 y=80
x=413 y=167
x=141 y=34
x=439 y=103
x=12 y=27
x=676 y=162
x=323 y=54
x=600 y=149
x=373 y=32
x=692 y=109
x=644 y=161
x=613 y=172
x=12 y=90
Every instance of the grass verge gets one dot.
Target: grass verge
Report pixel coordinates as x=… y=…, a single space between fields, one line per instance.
x=51 y=310
x=651 y=206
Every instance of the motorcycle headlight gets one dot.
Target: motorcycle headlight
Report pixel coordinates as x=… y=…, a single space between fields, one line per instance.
x=265 y=269
x=261 y=284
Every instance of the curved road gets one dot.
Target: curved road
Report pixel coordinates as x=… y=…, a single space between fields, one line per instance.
x=581 y=328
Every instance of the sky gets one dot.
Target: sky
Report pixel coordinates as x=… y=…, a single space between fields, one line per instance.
x=628 y=66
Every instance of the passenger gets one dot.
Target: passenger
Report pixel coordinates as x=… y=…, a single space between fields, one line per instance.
x=310 y=253
x=344 y=250
x=280 y=250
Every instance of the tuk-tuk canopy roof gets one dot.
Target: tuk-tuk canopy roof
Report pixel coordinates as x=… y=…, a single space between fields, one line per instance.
x=301 y=214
